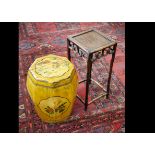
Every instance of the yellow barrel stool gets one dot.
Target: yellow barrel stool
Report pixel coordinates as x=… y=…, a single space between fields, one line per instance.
x=52 y=84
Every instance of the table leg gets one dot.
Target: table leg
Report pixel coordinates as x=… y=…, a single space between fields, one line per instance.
x=110 y=72
x=89 y=66
x=68 y=50
x=90 y=69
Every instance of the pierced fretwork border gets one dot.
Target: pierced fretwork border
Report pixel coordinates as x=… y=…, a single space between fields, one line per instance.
x=96 y=55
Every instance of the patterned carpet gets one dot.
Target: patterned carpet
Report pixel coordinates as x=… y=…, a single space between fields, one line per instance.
x=38 y=39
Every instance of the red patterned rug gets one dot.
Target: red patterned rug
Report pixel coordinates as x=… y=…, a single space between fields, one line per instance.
x=38 y=39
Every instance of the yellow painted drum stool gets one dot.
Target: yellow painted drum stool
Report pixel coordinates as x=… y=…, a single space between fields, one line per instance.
x=52 y=84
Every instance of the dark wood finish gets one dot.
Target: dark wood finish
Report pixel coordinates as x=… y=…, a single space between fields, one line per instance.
x=80 y=99
x=82 y=81
x=89 y=66
x=92 y=45
x=96 y=98
x=110 y=72
x=68 y=49
x=98 y=84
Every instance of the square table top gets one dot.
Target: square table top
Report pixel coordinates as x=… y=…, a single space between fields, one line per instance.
x=91 y=40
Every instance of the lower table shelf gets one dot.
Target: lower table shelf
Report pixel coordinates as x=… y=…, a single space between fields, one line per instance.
x=101 y=95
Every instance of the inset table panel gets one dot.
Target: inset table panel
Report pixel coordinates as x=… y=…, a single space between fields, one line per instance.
x=92 y=40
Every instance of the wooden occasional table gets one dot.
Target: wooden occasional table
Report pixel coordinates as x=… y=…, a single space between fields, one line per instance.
x=91 y=45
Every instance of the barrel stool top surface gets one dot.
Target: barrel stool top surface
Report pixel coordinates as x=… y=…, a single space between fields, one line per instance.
x=51 y=70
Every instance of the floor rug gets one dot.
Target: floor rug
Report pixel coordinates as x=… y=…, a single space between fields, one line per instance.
x=39 y=39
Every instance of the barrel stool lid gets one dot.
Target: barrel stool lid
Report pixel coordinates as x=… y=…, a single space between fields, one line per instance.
x=51 y=70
